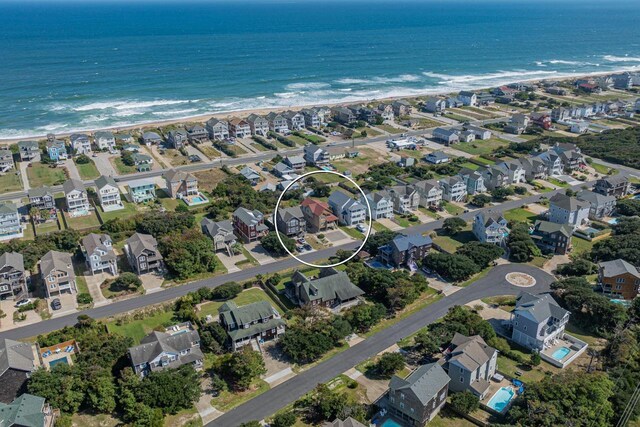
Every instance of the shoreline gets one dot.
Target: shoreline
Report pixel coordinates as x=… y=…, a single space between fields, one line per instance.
x=201 y=118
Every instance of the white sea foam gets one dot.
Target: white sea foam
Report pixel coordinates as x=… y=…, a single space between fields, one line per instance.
x=125 y=105
x=403 y=78
x=176 y=113
x=309 y=85
x=626 y=58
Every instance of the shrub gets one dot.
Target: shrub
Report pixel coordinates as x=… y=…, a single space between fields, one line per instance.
x=84 y=298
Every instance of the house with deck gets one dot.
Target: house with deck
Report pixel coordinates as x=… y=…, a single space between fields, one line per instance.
x=437 y=157
x=181 y=184
x=430 y=192
x=217 y=129
x=221 y=232
x=601 y=206
x=177 y=138
x=296 y=163
x=29 y=151
x=108 y=194
x=564 y=209
x=258 y=125
x=143 y=254
x=13 y=282
x=454 y=189
x=80 y=143
x=41 y=198
x=331 y=289
x=6 y=161
x=401 y=107
x=534 y=168
x=239 y=128
x=495 y=176
x=619 y=279
x=27 y=410
x=552 y=238
x=277 y=123
x=197 y=134
x=617 y=186
x=311 y=118
x=250 y=175
x=470 y=363
x=435 y=105
x=348 y=210
x=295 y=120
x=490 y=227
x=249 y=224
x=343 y=115
x=479 y=132
x=381 y=206
x=10 y=223
x=316 y=156
x=56 y=271
x=257 y=321
x=405 y=198
x=104 y=140
x=99 y=254
x=77 y=199
x=446 y=136
x=291 y=221
x=318 y=215
x=141 y=190
x=468 y=98
x=474 y=181
x=57 y=150
x=405 y=250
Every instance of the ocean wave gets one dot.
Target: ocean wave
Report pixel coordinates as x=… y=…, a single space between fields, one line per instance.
x=403 y=78
x=126 y=105
x=176 y=113
x=626 y=58
x=310 y=85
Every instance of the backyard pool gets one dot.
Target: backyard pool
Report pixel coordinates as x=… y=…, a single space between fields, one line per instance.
x=58 y=361
x=501 y=399
x=561 y=353
x=389 y=422
x=613 y=221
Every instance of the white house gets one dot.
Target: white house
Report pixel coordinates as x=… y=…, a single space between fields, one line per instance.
x=381 y=207
x=80 y=143
x=468 y=98
x=348 y=210
x=10 y=227
x=453 y=189
x=99 y=254
x=568 y=210
x=105 y=140
x=108 y=194
x=76 y=197
x=490 y=227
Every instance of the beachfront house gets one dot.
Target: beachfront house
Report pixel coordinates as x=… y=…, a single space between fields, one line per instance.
x=564 y=209
x=180 y=184
x=197 y=134
x=619 y=279
x=552 y=238
x=151 y=138
x=18 y=361
x=143 y=254
x=258 y=125
x=537 y=321
x=29 y=151
x=617 y=186
x=471 y=364
x=108 y=194
x=311 y=118
x=468 y=98
x=76 y=197
x=257 y=321
x=221 y=232
x=57 y=150
x=601 y=206
x=417 y=399
x=348 y=210
x=99 y=254
x=490 y=227
x=239 y=128
x=295 y=120
x=10 y=226
x=249 y=224
x=318 y=215
x=6 y=160
x=177 y=138
x=217 y=129
x=381 y=206
x=56 y=271
x=177 y=345
x=331 y=288
x=104 y=140
x=13 y=283
x=385 y=111
x=405 y=250
x=80 y=143
x=454 y=189
x=401 y=107
x=435 y=105
x=343 y=115
x=141 y=190
x=277 y=123
x=291 y=221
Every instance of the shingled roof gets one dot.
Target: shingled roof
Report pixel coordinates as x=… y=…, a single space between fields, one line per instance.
x=538 y=307
x=425 y=382
x=15 y=355
x=330 y=284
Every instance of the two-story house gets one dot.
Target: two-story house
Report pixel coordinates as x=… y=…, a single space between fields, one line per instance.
x=257 y=321
x=417 y=399
x=6 y=160
x=552 y=162
x=56 y=271
x=80 y=143
x=617 y=186
x=221 y=232
x=295 y=162
x=381 y=206
x=108 y=194
x=29 y=151
x=534 y=168
x=564 y=209
x=143 y=254
x=446 y=136
x=601 y=206
x=437 y=157
x=435 y=105
x=405 y=198
x=17 y=362
x=13 y=283
x=104 y=140
x=277 y=123
x=348 y=210
x=474 y=181
x=291 y=221
x=57 y=150
x=468 y=98
x=490 y=227
x=430 y=193
x=479 y=132
x=316 y=156
x=178 y=345
x=258 y=125
x=217 y=129
x=453 y=189
x=495 y=176
x=551 y=237
x=332 y=288
x=197 y=134
x=249 y=224
x=142 y=190
x=401 y=107
x=151 y=138
x=41 y=198
x=99 y=254
x=76 y=198
x=318 y=215
x=515 y=171
x=537 y=321
x=619 y=279
x=239 y=128
x=344 y=115
x=10 y=225
x=405 y=250
x=470 y=363
x=181 y=184
x=295 y=120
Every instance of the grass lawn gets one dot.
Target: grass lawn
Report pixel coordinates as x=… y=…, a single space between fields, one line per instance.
x=209 y=151
x=451 y=243
x=388 y=128
x=298 y=140
x=429 y=212
x=138 y=329
x=87 y=171
x=47 y=227
x=227 y=400
x=426 y=298
x=129 y=210
x=166 y=201
x=484 y=161
x=538 y=261
x=10 y=182
x=313 y=138
x=470 y=165
x=120 y=167
x=520 y=214
x=581 y=245
x=451 y=208
x=457 y=117
x=447 y=418
x=541 y=187
x=245 y=297
x=40 y=175
x=557 y=182
x=250 y=259
x=378 y=227
x=428 y=123
x=175 y=157
x=371 y=132
x=479 y=147
x=352 y=232
x=509 y=367
x=82 y=222
x=602 y=169
x=210 y=178
x=402 y=222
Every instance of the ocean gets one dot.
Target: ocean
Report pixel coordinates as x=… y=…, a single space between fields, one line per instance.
x=88 y=65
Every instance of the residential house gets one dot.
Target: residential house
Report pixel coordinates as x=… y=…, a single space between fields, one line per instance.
x=556 y=90
x=239 y=128
x=151 y=138
x=619 y=279
x=405 y=198
x=324 y=114
x=80 y=143
x=318 y=215
x=180 y=184
x=348 y=210
x=221 y=232
x=6 y=161
x=76 y=197
x=406 y=161
x=332 y=288
x=29 y=151
x=437 y=157
x=416 y=400
x=552 y=162
x=474 y=181
x=258 y=125
x=295 y=120
x=618 y=186
x=534 y=168
x=454 y=102
x=552 y=238
x=41 y=198
x=537 y=321
x=343 y=115
x=515 y=171
x=99 y=254
x=295 y=162
x=197 y=134
x=316 y=156
x=435 y=105
x=311 y=118
x=601 y=206
x=517 y=124
x=480 y=132
x=291 y=221
x=471 y=364
x=105 y=140
x=446 y=136
x=281 y=170
x=17 y=361
x=401 y=107
x=381 y=206
x=542 y=120
x=27 y=410
x=564 y=209
x=217 y=129
x=560 y=114
x=10 y=226
x=56 y=150
x=466 y=136
x=131 y=148
x=249 y=225
x=257 y=321
x=405 y=250
x=495 y=176
x=250 y=175
x=570 y=155
x=430 y=193
x=337 y=153
x=124 y=138
x=490 y=227
x=13 y=282
x=178 y=345
x=277 y=123
x=623 y=81
x=348 y=422
x=143 y=254
x=142 y=190
x=142 y=162
x=454 y=189
x=366 y=114
x=108 y=194
x=468 y=98
x=178 y=138
x=386 y=111
x=56 y=271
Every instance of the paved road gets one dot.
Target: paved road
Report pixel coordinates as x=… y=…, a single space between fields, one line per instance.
x=280 y=396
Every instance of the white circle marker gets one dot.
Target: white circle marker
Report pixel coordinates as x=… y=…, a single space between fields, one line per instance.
x=305 y=175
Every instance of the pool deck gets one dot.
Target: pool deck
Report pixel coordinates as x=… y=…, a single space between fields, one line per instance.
x=575 y=346
x=493 y=389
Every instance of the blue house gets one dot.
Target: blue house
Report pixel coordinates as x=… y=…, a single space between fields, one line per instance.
x=57 y=150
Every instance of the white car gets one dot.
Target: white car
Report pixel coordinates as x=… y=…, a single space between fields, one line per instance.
x=361 y=228
x=23 y=302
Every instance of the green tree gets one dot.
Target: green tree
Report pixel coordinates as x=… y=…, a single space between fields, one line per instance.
x=188 y=253
x=389 y=364
x=226 y=291
x=378 y=239
x=271 y=244
x=127 y=281
x=453 y=225
x=451 y=266
x=465 y=402
x=62 y=387
x=364 y=316
x=284 y=419
x=171 y=390
x=480 y=200
x=482 y=254
x=101 y=391
x=628 y=207
x=501 y=193
x=535 y=359
x=244 y=366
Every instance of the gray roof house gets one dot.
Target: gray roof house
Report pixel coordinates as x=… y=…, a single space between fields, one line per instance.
x=99 y=254
x=295 y=162
x=281 y=169
x=601 y=205
x=16 y=364
x=143 y=254
x=104 y=140
x=446 y=136
x=348 y=422
x=454 y=188
x=258 y=125
x=417 y=399
x=405 y=198
x=108 y=194
x=470 y=363
x=618 y=186
x=12 y=278
x=41 y=198
x=250 y=175
x=6 y=160
x=10 y=221
x=291 y=221
x=332 y=288
x=430 y=192
x=474 y=181
x=217 y=129
x=197 y=134
x=537 y=320
x=56 y=271
x=76 y=197
x=381 y=206
x=490 y=227
x=178 y=138
x=405 y=250
x=29 y=151
x=221 y=232
x=178 y=345
x=257 y=321
x=80 y=143
x=564 y=209
x=348 y=210
x=249 y=224
x=151 y=138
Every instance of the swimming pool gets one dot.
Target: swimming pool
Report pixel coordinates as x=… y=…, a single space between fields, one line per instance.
x=561 y=353
x=197 y=199
x=58 y=361
x=390 y=422
x=613 y=221
x=501 y=399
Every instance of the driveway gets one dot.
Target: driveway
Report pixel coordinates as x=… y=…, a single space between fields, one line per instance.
x=278 y=368
x=337 y=237
x=93 y=283
x=73 y=170
x=229 y=262
x=207 y=412
x=152 y=282
x=8 y=308
x=69 y=305
x=393 y=226
x=259 y=253
x=103 y=164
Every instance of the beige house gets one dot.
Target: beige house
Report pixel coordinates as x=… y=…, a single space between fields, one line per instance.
x=56 y=270
x=181 y=184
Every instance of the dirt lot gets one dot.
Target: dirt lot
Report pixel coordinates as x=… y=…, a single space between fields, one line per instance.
x=208 y=179
x=368 y=157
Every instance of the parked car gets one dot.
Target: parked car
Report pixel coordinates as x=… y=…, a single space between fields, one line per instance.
x=56 y=304
x=361 y=228
x=23 y=302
